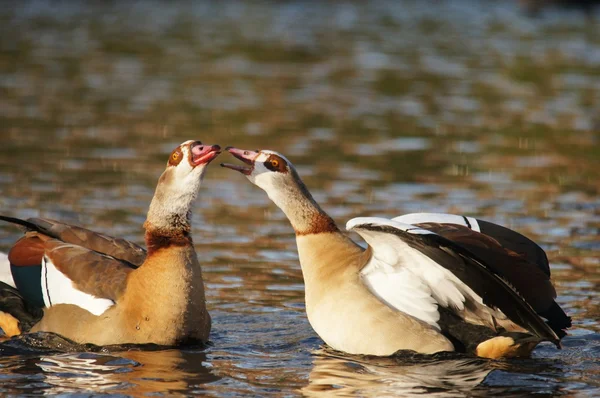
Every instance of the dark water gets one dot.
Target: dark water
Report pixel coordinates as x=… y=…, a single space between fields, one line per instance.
x=467 y=107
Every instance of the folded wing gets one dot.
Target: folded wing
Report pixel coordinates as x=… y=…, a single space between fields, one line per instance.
x=56 y=263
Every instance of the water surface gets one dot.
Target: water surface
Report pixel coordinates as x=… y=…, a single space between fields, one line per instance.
x=386 y=108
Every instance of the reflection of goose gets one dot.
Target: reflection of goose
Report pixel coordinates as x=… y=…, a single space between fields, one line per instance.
x=134 y=373
x=427 y=282
x=338 y=376
x=102 y=290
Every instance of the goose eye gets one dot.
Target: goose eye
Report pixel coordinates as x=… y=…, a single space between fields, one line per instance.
x=275 y=163
x=175 y=157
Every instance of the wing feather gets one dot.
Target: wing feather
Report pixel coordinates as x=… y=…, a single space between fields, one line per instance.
x=519 y=260
x=457 y=279
x=118 y=248
x=90 y=272
x=498 y=235
x=57 y=288
x=79 y=266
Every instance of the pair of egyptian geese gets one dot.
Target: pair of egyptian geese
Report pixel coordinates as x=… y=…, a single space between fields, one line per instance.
x=426 y=282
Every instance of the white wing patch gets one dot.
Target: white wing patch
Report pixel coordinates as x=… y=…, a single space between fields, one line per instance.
x=5 y=273
x=442 y=218
x=406 y=279
x=58 y=289
x=401 y=289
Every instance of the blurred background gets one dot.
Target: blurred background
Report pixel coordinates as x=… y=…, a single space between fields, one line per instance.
x=483 y=108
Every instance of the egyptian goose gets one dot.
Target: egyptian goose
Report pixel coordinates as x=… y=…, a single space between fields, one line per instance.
x=102 y=290
x=426 y=282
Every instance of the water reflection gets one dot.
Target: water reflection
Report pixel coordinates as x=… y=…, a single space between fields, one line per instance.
x=136 y=373
x=385 y=107
x=334 y=375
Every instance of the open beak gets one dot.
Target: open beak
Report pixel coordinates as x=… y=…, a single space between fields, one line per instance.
x=203 y=154
x=243 y=155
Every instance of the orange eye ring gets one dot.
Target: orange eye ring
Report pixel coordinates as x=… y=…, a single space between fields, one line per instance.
x=175 y=156
x=275 y=163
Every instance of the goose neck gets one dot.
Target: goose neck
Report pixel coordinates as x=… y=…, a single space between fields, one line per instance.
x=169 y=219
x=301 y=209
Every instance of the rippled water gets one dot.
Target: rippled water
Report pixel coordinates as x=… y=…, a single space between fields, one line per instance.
x=386 y=108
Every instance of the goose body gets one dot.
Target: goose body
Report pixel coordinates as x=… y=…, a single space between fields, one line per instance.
x=426 y=282
x=97 y=289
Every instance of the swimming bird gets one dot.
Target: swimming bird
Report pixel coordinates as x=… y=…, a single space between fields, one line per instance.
x=94 y=288
x=425 y=282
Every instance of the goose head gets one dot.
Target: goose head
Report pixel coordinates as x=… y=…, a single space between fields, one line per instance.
x=276 y=175
x=266 y=169
x=273 y=173
x=187 y=164
x=179 y=184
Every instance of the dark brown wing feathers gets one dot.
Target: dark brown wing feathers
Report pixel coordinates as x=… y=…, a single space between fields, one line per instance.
x=91 y=272
x=114 y=247
x=97 y=264
x=474 y=272
x=518 y=243
x=527 y=271
x=529 y=280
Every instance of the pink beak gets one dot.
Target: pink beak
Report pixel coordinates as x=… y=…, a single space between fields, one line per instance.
x=243 y=155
